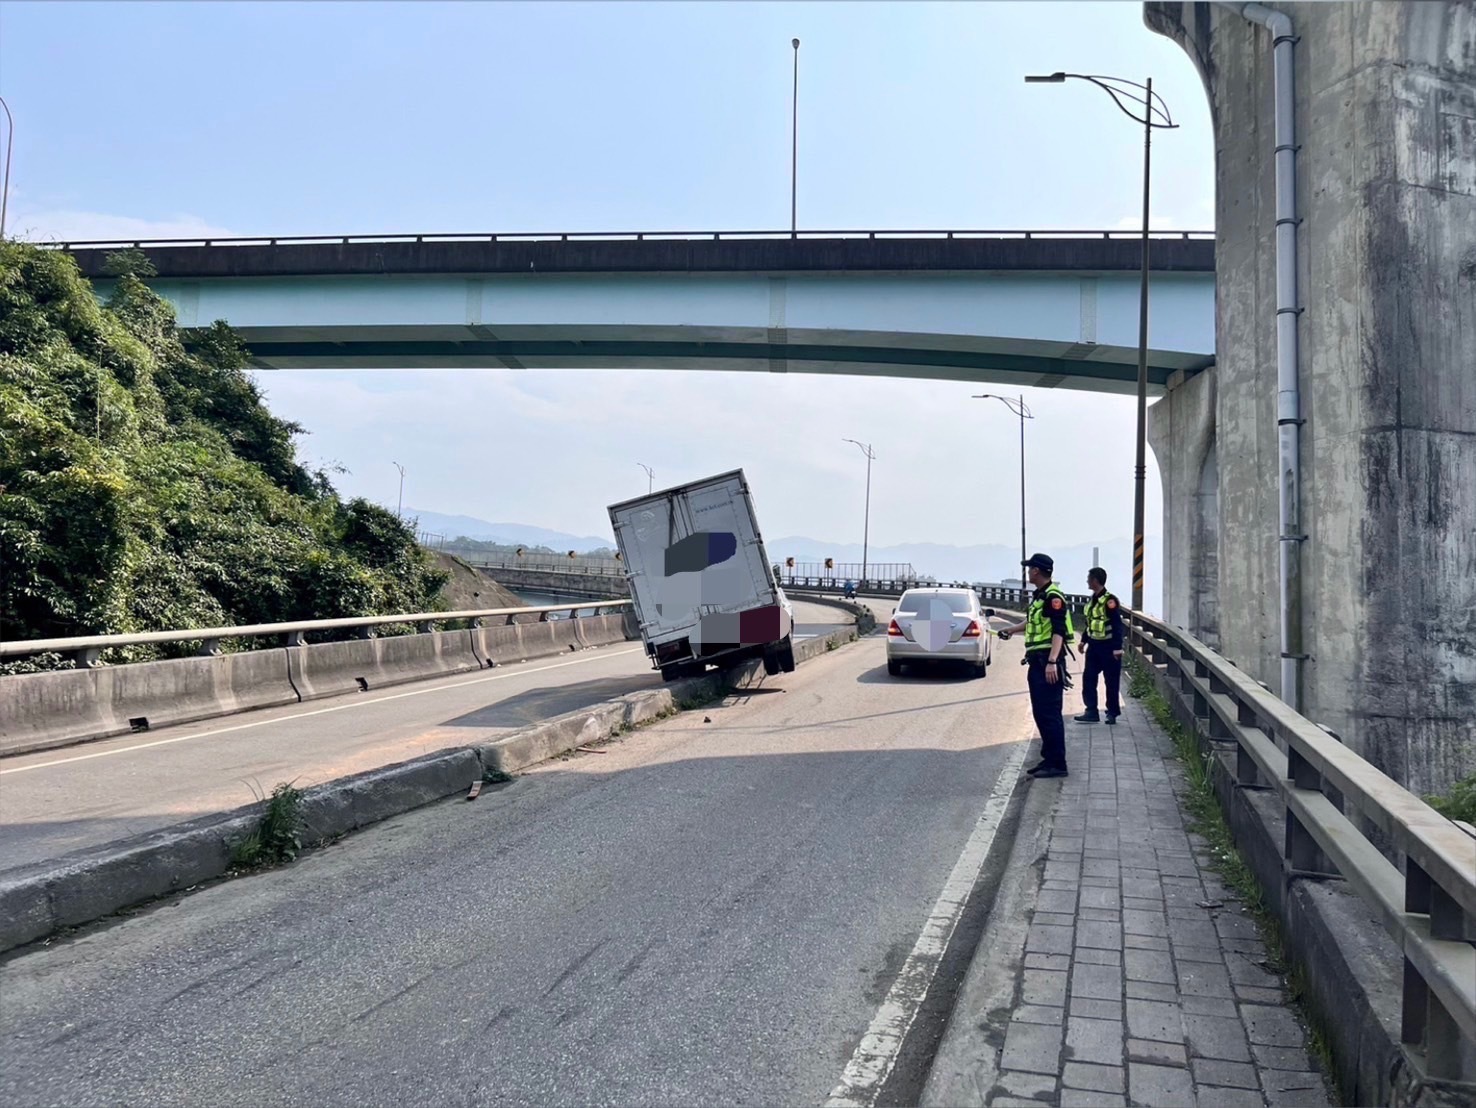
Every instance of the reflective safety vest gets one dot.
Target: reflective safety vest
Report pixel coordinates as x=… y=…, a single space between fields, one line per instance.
x=1038 y=623
x=1099 y=623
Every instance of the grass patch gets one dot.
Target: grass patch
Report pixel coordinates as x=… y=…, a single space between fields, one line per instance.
x=277 y=838
x=1208 y=821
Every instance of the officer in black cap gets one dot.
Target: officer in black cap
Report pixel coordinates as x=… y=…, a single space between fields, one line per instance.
x=1047 y=630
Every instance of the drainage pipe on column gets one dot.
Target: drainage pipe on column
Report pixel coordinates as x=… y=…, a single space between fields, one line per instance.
x=1288 y=391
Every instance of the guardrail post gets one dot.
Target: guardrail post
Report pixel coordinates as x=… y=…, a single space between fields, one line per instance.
x=87 y=658
x=363 y=632
x=542 y=617
x=425 y=626
x=1302 y=851
x=295 y=638
x=510 y=620
x=1426 y=1025
x=209 y=648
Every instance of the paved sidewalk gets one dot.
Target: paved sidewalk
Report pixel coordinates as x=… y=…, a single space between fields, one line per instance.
x=1142 y=980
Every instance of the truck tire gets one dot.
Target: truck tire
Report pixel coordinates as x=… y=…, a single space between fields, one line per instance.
x=771 y=661
x=786 y=654
x=676 y=671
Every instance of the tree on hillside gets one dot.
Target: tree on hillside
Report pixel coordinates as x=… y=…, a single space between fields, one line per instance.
x=145 y=485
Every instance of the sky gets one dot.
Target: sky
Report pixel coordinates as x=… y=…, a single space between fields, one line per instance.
x=183 y=119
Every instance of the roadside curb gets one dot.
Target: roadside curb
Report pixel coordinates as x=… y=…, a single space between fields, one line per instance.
x=86 y=886
x=963 y=1069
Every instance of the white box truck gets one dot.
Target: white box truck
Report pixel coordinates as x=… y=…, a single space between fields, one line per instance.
x=703 y=587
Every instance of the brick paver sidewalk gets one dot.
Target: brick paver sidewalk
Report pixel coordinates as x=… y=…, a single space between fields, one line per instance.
x=1143 y=979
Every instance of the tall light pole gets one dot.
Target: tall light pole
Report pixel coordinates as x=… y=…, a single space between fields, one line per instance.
x=794 y=147
x=400 y=506
x=1155 y=113
x=650 y=476
x=866 y=525
x=1018 y=407
x=9 y=143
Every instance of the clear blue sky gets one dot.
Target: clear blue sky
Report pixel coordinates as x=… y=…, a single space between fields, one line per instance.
x=284 y=118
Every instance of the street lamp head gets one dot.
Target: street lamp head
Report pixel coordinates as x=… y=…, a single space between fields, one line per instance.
x=795 y=43
x=1045 y=79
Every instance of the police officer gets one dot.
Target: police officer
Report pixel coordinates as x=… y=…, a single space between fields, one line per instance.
x=1102 y=641
x=1047 y=630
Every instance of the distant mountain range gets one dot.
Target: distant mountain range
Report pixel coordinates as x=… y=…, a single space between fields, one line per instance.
x=454 y=527
x=993 y=562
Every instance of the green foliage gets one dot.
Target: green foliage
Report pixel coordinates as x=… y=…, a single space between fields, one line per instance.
x=144 y=485
x=278 y=837
x=1459 y=803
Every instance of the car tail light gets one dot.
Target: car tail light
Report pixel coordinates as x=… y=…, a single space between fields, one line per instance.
x=973 y=630
x=894 y=629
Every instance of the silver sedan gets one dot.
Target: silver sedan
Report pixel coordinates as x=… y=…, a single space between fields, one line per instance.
x=939 y=625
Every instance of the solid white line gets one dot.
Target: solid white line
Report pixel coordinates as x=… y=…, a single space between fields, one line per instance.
x=876 y=1053
x=315 y=712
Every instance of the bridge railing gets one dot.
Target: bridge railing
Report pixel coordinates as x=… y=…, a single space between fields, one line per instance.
x=1002 y=594
x=86 y=650
x=581 y=567
x=1429 y=909
x=619 y=236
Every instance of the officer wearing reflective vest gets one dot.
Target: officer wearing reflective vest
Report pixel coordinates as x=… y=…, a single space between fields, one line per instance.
x=1102 y=642
x=1048 y=632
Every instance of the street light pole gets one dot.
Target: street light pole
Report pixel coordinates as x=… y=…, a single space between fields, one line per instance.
x=1155 y=113
x=650 y=476
x=1019 y=408
x=400 y=506
x=866 y=525
x=794 y=147
x=9 y=144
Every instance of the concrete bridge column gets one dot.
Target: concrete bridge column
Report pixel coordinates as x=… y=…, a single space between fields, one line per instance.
x=1181 y=430
x=1385 y=109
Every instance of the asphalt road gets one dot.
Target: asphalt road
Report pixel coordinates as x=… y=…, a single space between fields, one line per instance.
x=58 y=801
x=711 y=911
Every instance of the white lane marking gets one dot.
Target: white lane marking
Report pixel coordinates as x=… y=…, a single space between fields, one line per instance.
x=304 y=715
x=876 y=1053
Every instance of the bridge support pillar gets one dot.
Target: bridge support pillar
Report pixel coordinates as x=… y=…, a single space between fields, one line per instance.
x=1385 y=114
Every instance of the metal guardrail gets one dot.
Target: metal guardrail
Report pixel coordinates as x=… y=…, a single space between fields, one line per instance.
x=628 y=236
x=1002 y=594
x=1429 y=909
x=87 y=649
x=578 y=567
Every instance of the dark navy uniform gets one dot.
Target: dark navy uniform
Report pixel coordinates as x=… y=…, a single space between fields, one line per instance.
x=1048 y=615
x=1103 y=640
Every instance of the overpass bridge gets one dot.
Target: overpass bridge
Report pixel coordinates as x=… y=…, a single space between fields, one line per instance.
x=1040 y=309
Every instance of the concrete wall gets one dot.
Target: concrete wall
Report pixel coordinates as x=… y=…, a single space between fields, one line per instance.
x=1386 y=118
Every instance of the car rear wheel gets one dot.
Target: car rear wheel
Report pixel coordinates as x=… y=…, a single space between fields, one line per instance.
x=894 y=668
x=980 y=669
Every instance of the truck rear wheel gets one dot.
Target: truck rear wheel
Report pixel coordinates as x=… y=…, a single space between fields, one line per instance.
x=786 y=654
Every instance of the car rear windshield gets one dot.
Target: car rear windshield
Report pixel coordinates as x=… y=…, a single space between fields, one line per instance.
x=925 y=603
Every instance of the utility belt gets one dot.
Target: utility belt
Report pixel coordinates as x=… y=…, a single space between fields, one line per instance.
x=1042 y=658
x=1100 y=643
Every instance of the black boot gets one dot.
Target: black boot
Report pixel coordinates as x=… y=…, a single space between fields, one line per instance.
x=1089 y=717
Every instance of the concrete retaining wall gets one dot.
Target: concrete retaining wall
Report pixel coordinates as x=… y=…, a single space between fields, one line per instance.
x=38 y=901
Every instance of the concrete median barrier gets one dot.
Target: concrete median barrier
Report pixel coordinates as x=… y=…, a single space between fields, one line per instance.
x=332 y=668
x=41 y=711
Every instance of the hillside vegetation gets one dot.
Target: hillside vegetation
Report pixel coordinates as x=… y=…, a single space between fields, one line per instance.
x=145 y=487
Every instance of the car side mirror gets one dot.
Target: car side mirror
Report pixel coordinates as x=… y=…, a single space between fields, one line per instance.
x=988 y=613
